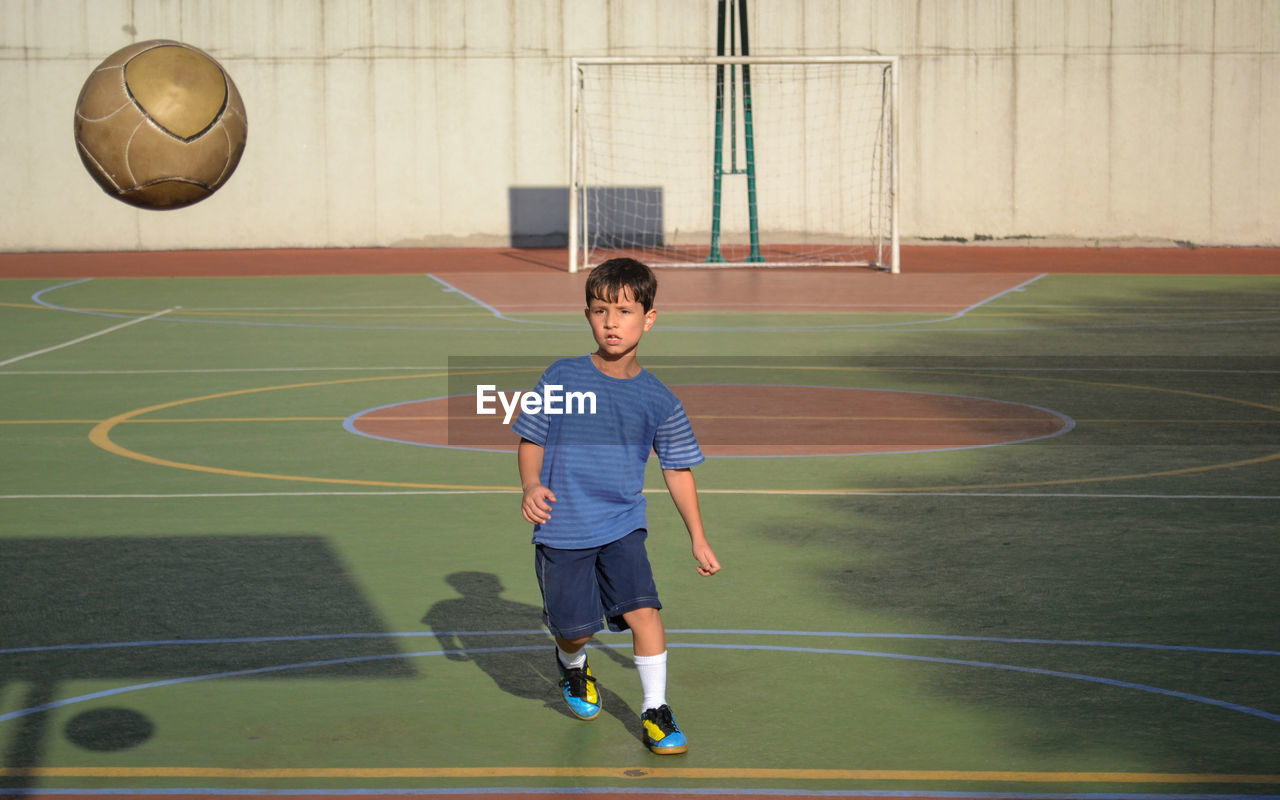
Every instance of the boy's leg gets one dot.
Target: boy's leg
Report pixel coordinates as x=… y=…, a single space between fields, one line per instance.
x=572 y=611
x=649 y=642
x=661 y=734
x=649 y=637
x=572 y=652
x=632 y=595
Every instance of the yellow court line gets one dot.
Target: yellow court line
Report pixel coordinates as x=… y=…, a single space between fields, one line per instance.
x=851 y=418
x=100 y=435
x=869 y=418
x=643 y=773
x=177 y=420
x=446 y=417
x=333 y=315
x=194 y=312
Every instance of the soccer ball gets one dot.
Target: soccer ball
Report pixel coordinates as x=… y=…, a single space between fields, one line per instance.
x=160 y=124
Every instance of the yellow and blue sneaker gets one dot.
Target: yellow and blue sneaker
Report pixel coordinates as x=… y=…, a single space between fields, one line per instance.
x=661 y=735
x=579 y=687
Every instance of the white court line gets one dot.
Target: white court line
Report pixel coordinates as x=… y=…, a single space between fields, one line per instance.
x=87 y=338
x=216 y=495
x=449 y=287
x=1019 y=288
x=793 y=492
x=841 y=368
x=215 y=371
x=324 y=308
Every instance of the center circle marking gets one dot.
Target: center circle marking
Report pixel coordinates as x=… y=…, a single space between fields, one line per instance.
x=101 y=436
x=758 y=420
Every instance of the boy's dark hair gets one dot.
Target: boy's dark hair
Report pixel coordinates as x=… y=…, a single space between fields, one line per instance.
x=607 y=281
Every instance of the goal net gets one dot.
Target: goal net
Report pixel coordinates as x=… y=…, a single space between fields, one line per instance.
x=724 y=162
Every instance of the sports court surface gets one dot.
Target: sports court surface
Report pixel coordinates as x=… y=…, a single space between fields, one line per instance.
x=1001 y=526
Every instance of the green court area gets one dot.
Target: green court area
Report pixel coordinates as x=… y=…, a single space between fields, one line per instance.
x=217 y=580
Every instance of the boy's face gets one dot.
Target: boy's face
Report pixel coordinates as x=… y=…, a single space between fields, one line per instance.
x=618 y=326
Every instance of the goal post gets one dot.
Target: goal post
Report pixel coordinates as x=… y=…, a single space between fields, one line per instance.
x=667 y=167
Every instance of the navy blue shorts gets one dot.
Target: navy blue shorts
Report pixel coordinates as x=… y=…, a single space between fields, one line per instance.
x=583 y=589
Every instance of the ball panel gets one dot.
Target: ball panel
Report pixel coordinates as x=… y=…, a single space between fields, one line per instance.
x=235 y=127
x=98 y=172
x=154 y=155
x=167 y=194
x=179 y=87
x=107 y=141
x=103 y=94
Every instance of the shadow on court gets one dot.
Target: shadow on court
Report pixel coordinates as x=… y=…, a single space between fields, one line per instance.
x=138 y=609
x=521 y=662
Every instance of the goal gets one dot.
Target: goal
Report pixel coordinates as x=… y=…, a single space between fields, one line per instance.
x=734 y=161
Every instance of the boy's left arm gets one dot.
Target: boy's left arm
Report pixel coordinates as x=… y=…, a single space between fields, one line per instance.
x=684 y=491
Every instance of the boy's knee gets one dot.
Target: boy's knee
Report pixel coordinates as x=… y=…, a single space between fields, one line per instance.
x=572 y=645
x=642 y=616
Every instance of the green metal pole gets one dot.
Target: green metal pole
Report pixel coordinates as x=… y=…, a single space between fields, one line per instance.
x=750 y=139
x=714 y=256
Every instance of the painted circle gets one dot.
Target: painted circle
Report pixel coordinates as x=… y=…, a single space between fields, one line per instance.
x=101 y=436
x=758 y=420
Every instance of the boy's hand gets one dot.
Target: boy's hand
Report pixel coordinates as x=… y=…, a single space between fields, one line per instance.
x=536 y=505
x=706 y=558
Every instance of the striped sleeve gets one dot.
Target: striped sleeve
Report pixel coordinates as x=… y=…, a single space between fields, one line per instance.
x=674 y=442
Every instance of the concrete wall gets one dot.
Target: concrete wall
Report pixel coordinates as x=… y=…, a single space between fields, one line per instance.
x=409 y=122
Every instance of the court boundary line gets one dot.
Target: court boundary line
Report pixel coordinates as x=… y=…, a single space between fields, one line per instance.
x=931 y=660
x=929 y=637
x=515 y=490
x=1068 y=424
x=638 y=773
x=508 y=792
x=940 y=368
x=87 y=337
x=100 y=435
x=504 y=317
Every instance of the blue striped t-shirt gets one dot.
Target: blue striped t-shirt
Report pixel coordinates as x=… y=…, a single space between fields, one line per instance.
x=594 y=457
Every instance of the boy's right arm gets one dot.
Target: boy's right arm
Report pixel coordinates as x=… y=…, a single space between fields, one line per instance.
x=536 y=505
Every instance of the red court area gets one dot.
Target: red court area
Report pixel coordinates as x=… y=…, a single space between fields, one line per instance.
x=916 y=258
x=837 y=291
x=755 y=420
x=487 y=794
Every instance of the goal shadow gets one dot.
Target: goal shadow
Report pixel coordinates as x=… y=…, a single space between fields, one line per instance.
x=153 y=608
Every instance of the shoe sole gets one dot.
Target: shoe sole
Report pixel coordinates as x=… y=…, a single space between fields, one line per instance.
x=667 y=751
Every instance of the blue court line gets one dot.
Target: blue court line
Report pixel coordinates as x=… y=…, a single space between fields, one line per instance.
x=25 y=712
x=908 y=324
x=1068 y=424
x=1177 y=648
x=37 y=299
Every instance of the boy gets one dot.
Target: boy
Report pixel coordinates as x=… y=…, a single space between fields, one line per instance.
x=590 y=557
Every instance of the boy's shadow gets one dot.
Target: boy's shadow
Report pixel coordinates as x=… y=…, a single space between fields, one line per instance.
x=465 y=627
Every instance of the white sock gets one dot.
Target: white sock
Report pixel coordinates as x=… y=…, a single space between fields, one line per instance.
x=653 y=679
x=572 y=660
